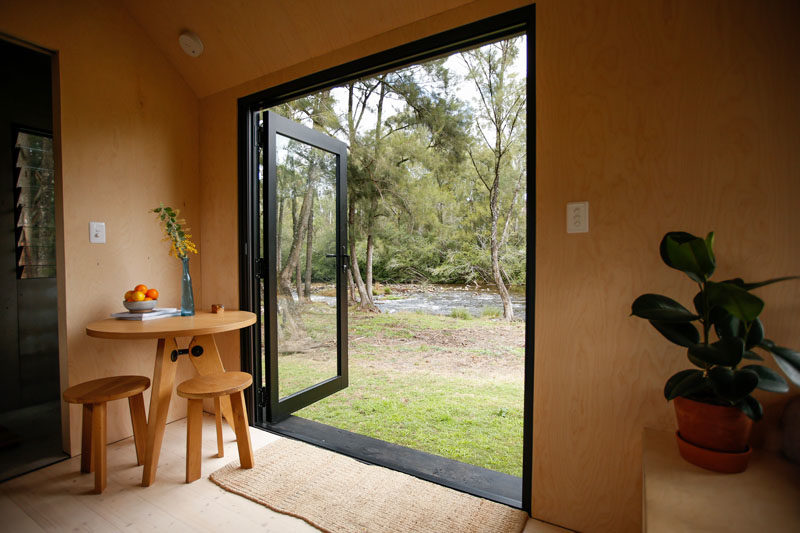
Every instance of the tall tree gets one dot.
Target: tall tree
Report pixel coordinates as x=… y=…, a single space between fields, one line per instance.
x=357 y=104
x=499 y=130
x=306 y=297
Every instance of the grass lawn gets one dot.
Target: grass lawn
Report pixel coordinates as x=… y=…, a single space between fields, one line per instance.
x=443 y=385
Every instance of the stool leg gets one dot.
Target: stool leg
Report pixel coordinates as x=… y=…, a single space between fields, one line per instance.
x=99 y=446
x=87 y=463
x=242 y=430
x=194 y=440
x=139 y=423
x=218 y=422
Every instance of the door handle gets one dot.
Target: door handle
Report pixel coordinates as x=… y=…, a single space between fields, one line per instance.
x=345 y=258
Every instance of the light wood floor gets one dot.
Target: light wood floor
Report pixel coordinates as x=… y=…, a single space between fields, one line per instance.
x=58 y=497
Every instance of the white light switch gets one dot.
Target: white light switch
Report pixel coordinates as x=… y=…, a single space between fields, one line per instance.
x=578 y=217
x=97 y=232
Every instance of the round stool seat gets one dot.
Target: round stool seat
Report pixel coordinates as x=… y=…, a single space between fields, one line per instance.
x=213 y=385
x=106 y=389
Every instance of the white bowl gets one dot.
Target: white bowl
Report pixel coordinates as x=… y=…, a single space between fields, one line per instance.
x=140 y=307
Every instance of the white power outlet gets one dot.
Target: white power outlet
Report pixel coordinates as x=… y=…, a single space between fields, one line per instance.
x=97 y=232
x=578 y=217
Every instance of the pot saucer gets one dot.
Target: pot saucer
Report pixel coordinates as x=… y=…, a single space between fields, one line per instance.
x=725 y=462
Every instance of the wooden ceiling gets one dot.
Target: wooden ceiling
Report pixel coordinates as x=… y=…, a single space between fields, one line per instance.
x=246 y=39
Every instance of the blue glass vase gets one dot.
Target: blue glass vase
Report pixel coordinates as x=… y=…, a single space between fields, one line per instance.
x=187 y=299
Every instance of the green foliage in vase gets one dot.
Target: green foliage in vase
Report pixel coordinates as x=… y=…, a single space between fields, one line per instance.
x=175 y=231
x=728 y=310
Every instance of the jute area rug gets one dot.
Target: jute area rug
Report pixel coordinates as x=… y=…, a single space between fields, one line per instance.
x=337 y=494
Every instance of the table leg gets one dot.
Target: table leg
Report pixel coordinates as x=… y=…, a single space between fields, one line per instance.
x=210 y=362
x=161 y=394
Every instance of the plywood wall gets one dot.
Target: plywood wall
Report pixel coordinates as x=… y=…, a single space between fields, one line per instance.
x=128 y=129
x=664 y=116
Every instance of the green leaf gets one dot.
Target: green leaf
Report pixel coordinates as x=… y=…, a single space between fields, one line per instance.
x=678 y=236
x=735 y=300
x=726 y=352
x=685 y=383
x=698 y=303
x=755 y=335
x=697 y=362
x=710 y=247
x=768 y=379
x=788 y=360
x=739 y=282
x=751 y=407
x=753 y=356
x=681 y=333
x=689 y=254
x=725 y=324
x=732 y=385
x=661 y=309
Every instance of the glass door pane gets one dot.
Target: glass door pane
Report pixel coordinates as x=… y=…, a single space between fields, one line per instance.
x=305 y=334
x=306 y=186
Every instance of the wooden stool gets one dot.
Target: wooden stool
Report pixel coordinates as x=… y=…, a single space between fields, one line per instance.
x=94 y=395
x=213 y=386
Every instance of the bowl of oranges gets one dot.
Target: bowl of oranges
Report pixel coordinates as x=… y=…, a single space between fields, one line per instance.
x=141 y=299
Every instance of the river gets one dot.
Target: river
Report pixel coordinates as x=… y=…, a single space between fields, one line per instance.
x=441 y=299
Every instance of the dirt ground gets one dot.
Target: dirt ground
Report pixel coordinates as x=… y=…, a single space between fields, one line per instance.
x=494 y=352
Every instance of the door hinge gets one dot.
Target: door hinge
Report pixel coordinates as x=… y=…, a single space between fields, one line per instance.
x=260 y=136
x=261 y=396
x=260 y=270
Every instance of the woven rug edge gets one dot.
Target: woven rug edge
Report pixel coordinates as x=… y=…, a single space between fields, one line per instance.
x=259 y=502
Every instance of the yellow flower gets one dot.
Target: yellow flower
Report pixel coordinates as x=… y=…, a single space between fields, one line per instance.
x=175 y=231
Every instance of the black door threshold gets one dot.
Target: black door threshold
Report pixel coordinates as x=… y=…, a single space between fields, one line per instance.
x=481 y=482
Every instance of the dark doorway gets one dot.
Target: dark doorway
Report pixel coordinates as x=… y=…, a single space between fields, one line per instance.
x=30 y=407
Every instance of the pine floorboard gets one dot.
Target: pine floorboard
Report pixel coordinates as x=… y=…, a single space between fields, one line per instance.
x=59 y=497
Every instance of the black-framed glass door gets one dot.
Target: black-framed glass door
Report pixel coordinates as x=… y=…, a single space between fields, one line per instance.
x=448 y=472
x=305 y=341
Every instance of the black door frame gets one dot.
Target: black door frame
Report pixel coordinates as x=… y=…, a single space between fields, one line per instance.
x=500 y=26
x=274 y=124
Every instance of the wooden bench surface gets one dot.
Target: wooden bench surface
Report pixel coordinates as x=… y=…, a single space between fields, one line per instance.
x=106 y=389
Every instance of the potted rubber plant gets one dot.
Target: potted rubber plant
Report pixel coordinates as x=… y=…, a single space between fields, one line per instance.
x=723 y=338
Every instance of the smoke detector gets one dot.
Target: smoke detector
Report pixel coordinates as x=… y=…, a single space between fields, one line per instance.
x=191 y=43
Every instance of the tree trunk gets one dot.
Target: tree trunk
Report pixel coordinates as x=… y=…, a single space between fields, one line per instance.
x=365 y=303
x=309 y=250
x=352 y=287
x=508 y=310
x=294 y=237
x=290 y=312
x=280 y=230
x=370 y=247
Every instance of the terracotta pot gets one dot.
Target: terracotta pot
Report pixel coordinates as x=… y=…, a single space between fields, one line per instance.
x=714 y=427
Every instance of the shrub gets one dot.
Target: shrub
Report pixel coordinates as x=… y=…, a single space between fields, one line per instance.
x=387 y=290
x=491 y=312
x=460 y=313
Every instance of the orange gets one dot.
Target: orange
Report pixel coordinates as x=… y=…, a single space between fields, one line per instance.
x=137 y=296
x=128 y=296
x=148 y=299
x=152 y=294
x=141 y=287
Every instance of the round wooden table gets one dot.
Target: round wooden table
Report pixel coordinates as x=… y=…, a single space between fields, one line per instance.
x=202 y=351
